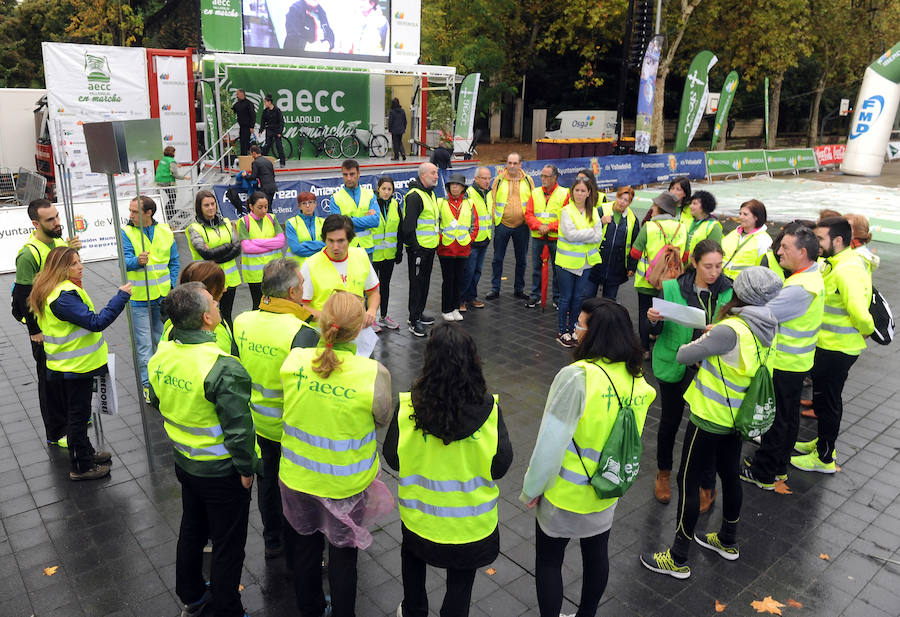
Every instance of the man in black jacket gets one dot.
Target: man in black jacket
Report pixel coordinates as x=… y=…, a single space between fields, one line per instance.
x=246 y=119
x=420 y=233
x=263 y=172
x=272 y=122
x=396 y=127
x=306 y=28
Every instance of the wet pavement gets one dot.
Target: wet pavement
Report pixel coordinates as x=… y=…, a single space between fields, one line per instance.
x=832 y=545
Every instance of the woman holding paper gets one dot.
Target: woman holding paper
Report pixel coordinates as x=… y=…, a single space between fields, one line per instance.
x=701 y=287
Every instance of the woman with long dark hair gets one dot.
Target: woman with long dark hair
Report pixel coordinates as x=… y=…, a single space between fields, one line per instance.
x=388 y=248
x=680 y=189
x=449 y=444
x=582 y=406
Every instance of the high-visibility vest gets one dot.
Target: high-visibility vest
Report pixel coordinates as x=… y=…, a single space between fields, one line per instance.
x=685 y=215
x=700 y=230
x=630 y=222
x=385 y=235
x=453 y=228
x=427 y=229
x=547 y=210
x=707 y=393
x=502 y=194
x=177 y=373
x=742 y=250
x=40 y=250
x=572 y=490
x=224 y=337
x=158 y=282
x=69 y=347
x=838 y=332
x=344 y=201
x=332 y=452
x=484 y=207
x=572 y=255
x=264 y=341
x=217 y=236
x=325 y=277
x=795 y=341
x=253 y=264
x=446 y=492
x=673 y=232
x=302 y=230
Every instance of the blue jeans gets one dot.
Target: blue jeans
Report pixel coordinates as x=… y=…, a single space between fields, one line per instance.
x=572 y=288
x=146 y=334
x=520 y=236
x=537 y=247
x=609 y=291
x=473 y=273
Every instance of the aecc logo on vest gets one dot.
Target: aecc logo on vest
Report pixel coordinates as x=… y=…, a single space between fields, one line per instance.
x=323 y=388
x=265 y=350
x=179 y=383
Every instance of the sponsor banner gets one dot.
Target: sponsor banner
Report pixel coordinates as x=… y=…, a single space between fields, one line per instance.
x=93 y=224
x=893 y=150
x=465 y=113
x=728 y=90
x=693 y=100
x=884 y=230
x=832 y=154
x=791 y=158
x=174 y=100
x=736 y=161
x=406 y=26
x=220 y=25
x=93 y=83
x=646 y=92
x=315 y=104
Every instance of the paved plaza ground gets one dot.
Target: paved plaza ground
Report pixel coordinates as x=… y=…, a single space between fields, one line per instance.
x=832 y=545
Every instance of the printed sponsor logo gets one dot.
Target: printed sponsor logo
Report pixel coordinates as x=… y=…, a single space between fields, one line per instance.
x=869 y=112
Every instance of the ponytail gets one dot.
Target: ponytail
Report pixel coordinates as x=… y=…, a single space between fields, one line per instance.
x=341 y=320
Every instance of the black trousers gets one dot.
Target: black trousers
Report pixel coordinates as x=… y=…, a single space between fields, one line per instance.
x=255 y=295
x=453 y=273
x=77 y=399
x=272 y=138
x=548 y=559
x=420 y=263
x=307 y=560
x=268 y=492
x=829 y=372
x=244 y=137
x=397 y=139
x=385 y=270
x=270 y=196
x=218 y=509
x=51 y=401
x=774 y=453
x=672 y=410
x=226 y=304
x=457 y=598
x=702 y=450
x=645 y=302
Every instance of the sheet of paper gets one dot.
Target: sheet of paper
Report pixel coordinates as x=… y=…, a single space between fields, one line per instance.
x=365 y=342
x=682 y=315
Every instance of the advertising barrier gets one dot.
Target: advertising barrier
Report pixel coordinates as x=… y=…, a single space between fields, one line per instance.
x=736 y=162
x=791 y=159
x=832 y=154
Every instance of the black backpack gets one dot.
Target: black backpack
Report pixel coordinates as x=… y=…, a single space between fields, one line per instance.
x=883 y=318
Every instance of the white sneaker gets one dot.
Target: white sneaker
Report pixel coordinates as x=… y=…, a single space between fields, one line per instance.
x=457 y=315
x=448 y=316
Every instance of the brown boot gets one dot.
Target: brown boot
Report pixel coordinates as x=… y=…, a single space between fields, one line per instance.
x=661 y=490
x=707 y=497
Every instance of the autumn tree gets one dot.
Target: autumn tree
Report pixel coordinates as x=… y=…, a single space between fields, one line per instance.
x=105 y=22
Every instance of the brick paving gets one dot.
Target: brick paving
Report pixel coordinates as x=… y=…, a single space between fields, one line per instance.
x=114 y=540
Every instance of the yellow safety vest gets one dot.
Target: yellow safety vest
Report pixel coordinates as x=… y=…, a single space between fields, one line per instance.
x=158 y=282
x=385 y=235
x=364 y=237
x=484 y=208
x=253 y=264
x=547 y=210
x=795 y=342
x=572 y=490
x=427 y=229
x=303 y=235
x=446 y=492
x=673 y=232
x=264 y=341
x=332 y=452
x=177 y=373
x=630 y=221
x=742 y=251
x=526 y=185
x=707 y=395
x=40 y=250
x=838 y=332
x=572 y=255
x=222 y=236
x=700 y=230
x=70 y=348
x=325 y=277
x=224 y=337
x=453 y=228
x=685 y=215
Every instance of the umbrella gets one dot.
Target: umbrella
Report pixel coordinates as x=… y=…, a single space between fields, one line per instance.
x=545 y=275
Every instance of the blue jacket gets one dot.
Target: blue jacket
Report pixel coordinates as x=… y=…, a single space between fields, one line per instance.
x=306 y=248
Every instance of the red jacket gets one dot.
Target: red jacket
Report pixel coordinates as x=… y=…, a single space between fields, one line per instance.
x=456 y=249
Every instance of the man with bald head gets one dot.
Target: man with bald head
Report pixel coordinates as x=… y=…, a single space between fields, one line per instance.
x=480 y=195
x=420 y=233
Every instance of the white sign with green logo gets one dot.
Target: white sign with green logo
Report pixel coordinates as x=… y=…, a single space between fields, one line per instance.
x=220 y=25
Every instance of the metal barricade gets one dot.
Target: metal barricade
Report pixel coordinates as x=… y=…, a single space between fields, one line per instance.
x=29 y=186
x=7 y=187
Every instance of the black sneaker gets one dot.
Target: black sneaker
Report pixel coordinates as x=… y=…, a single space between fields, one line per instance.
x=521 y=295
x=532 y=303
x=195 y=608
x=426 y=319
x=492 y=295
x=95 y=472
x=747 y=475
x=417 y=329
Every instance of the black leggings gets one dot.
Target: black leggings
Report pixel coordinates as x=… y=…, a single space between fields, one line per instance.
x=549 y=553
x=384 y=269
x=457 y=598
x=226 y=304
x=255 y=295
x=701 y=451
x=672 y=410
x=307 y=562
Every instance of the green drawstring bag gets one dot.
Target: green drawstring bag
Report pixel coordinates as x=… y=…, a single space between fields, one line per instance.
x=757 y=411
x=620 y=458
